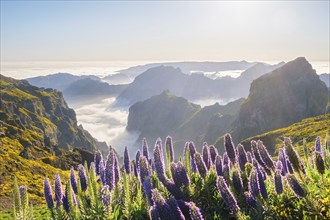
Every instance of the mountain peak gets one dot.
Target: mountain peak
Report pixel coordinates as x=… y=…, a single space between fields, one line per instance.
x=284 y=96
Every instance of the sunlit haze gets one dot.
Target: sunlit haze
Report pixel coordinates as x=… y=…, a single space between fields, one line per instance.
x=149 y=31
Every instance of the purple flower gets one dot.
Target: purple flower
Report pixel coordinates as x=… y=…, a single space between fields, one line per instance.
x=264 y=155
x=237 y=181
x=254 y=183
x=102 y=171
x=192 y=151
x=58 y=190
x=154 y=215
x=69 y=200
x=185 y=208
x=109 y=174
x=289 y=166
x=169 y=148
x=225 y=159
x=201 y=167
x=230 y=149
x=163 y=209
x=147 y=189
x=195 y=212
x=136 y=171
x=250 y=200
x=159 y=143
x=282 y=159
x=126 y=161
x=318 y=146
x=262 y=186
x=256 y=154
x=181 y=170
x=106 y=196
x=48 y=193
x=242 y=159
x=292 y=155
x=144 y=169
x=97 y=159
x=175 y=175
x=82 y=177
x=23 y=193
x=175 y=208
x=226 y=195
x=206 y=155
x=278 y=165
x=172 y=188
x=225 y=172
x=116 y=170
x=213 y=153
x=319 y=163
x=278 y=182
x=249 y=157
x=218 y=165
x=73 y=181
x=159 y=163
x=145 y=148
x=295 y=186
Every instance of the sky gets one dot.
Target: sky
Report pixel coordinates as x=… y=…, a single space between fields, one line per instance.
x=159 y=30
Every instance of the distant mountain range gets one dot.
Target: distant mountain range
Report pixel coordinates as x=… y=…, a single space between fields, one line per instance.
x=186 y=67
x=282 y=97
x=192 y=87
x=78 y=90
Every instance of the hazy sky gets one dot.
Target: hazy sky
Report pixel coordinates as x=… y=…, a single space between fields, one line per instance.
x=126 y=31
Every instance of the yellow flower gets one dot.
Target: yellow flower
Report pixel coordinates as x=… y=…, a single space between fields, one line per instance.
x=325 y=200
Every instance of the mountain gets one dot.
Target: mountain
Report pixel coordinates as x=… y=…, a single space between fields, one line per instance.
x=325 y=77
x=38 y=135
x=280 y=98
x=157 y=116
x=167 y=114
x=59 y=81
x=89 y=89
x=192 y=87
x=199 y=128
x=188 y=67
x=40 y=118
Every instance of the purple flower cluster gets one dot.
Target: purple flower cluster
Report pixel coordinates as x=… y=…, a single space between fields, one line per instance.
x=98 y=157
x=206 y=156
x=201 y=167
x=169 y=148
x=264 y=155
x=48 y=193
x=218 y=165
x=82 y=177
x=159 y=163
x=242 y=158
x=226 y=195
x=127 y=166
x=73 y=181
x=230 y=148
x=213 y=153
x=295 y=186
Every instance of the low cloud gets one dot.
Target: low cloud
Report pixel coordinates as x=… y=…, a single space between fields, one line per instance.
x=107 y=124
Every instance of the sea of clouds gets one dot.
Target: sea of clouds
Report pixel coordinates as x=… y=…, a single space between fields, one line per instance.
x=103 y=121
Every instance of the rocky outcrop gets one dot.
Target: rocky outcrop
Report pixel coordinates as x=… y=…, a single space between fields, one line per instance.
x=284 y=96
x=40 y=119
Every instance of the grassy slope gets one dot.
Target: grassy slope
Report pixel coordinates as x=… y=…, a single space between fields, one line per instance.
x=308 y=128
x=28 y=172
